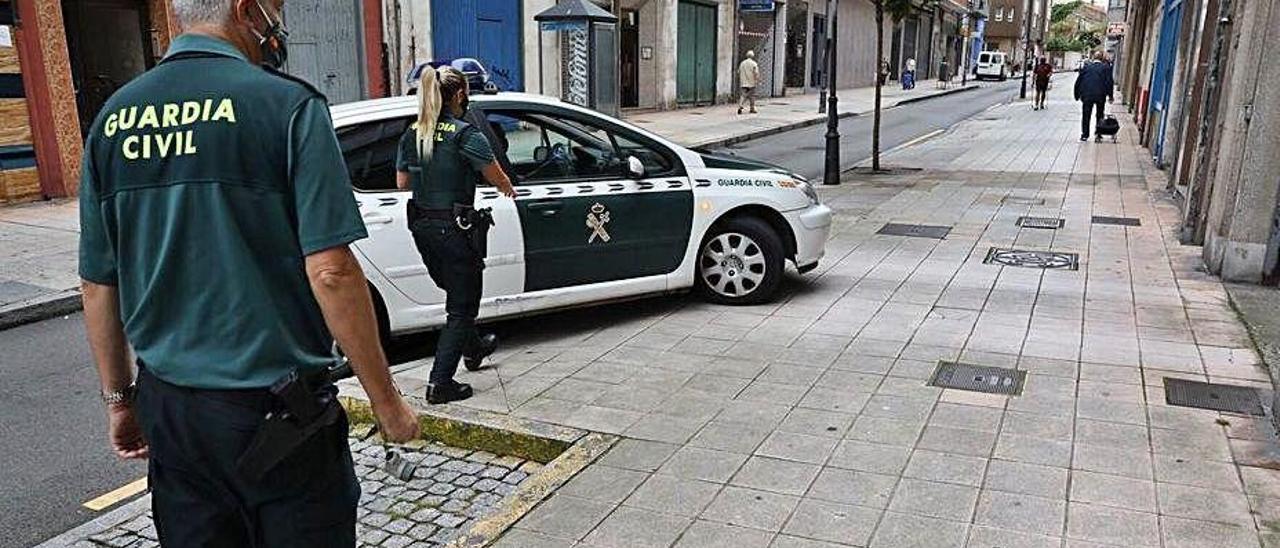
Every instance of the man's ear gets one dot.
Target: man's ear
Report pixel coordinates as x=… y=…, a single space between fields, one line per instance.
x=242 y=11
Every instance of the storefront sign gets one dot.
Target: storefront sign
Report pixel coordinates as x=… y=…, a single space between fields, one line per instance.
x=1117 y=28
x=755 y=5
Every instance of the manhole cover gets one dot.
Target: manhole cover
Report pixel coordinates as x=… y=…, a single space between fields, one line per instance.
x=1122 y=221
x=1033 y=259
x=978 y=378
x=1051 y=223
x=1018 y=200
x=1218 y=397
x=915 y=231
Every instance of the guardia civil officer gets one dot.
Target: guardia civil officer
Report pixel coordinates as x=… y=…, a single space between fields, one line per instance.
x=442 y=158
x=215 y=219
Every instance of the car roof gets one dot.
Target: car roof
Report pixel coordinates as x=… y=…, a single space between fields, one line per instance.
x=347 y=113
x=372 y=110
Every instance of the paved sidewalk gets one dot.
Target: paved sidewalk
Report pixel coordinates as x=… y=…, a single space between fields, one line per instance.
x=38 y=258
x=808 y=423
x=720 y=124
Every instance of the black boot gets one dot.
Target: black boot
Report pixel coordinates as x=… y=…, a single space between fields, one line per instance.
x=484 y=346
x=445 y=393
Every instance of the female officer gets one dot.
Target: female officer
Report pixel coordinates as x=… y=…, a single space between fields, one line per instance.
x=442 y=158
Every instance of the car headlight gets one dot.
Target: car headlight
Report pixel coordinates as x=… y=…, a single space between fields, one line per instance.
x=808 y=190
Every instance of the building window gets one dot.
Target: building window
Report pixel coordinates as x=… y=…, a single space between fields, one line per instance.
x=1000 y=14
x=1011 y=12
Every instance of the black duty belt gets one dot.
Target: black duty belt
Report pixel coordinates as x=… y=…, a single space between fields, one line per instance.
x=260 y=399
x=437 y=214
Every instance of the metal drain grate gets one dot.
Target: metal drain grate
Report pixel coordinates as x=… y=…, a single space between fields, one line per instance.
x=915 y=231
x=1218 y=397
x=978 y=378
x=1121 y=221
x=1019 y=200
x=1051 y=223
x=1033 y=259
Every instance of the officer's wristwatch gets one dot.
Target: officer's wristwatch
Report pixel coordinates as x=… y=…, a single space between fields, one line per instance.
x=124 y=396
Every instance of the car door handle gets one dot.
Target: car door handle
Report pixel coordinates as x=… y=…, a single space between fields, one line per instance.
x=548 y=208
x=374 y=218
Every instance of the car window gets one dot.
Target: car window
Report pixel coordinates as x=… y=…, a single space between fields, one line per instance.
x=370 y=152
x=984 y=58
x=542 y=147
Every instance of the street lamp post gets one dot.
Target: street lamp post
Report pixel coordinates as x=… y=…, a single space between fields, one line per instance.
x=1026 y=48
x=831 y=175
x=826 y=50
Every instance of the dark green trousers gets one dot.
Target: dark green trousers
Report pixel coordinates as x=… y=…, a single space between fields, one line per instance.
x=197 y=498
x=457 y=269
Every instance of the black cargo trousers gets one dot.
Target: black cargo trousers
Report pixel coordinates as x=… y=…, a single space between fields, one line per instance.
x=197 y=498
x=456 y=268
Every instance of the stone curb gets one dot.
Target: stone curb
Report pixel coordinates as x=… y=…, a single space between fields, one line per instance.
x=752 y=135
x=99 y=524
x=50 y=305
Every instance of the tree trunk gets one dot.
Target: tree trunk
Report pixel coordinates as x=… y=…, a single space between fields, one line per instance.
x=875 y=126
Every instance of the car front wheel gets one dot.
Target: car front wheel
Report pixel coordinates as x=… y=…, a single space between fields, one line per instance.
x=740 y=262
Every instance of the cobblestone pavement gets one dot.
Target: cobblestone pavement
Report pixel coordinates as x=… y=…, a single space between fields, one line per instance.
x=808 y=422
x=451 y=489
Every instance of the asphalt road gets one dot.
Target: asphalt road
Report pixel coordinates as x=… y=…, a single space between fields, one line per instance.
x=54 y=451
x=803 y=150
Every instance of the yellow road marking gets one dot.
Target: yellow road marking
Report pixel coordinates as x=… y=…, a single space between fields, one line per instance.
x=114 y=497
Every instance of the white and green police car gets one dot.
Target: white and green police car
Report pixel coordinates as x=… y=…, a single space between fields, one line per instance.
x=605 y=211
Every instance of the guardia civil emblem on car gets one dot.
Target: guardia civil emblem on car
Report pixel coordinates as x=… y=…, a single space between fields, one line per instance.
x=596 y=219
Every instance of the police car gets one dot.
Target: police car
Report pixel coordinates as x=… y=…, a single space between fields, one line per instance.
x=605 y=211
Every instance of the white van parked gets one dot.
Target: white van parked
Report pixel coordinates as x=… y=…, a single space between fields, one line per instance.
x=991 y=64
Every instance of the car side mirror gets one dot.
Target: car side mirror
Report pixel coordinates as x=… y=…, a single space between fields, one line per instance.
x=635 y=168
x=540 y=153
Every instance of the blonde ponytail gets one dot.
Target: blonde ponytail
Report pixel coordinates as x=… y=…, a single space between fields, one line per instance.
x=429 y=105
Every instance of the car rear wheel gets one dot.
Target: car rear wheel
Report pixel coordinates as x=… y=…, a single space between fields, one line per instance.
x=740 y=262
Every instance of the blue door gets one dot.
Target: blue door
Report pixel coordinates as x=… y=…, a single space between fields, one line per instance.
x=488 y=30
x=1162 y=76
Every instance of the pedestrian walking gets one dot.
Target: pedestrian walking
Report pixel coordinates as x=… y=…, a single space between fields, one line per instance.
x=884 y=71
x=748 y=79
x=909 y=74
x=215 y=217
x=442 y=158
x=1043 y=73
x=944 y=75
x=1094 y=85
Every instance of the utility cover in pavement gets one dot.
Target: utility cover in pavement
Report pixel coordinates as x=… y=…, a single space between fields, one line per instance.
x=1033 y=259
x=915 y=231
x=1051 y=223
x=1018 y=200
x=1218 y=397
x=1122 y=221
x=978 y=378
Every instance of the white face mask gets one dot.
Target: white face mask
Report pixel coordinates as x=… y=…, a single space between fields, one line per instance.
x=274 y=41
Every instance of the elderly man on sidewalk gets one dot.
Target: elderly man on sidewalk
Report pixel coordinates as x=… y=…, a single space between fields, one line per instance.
x=1094 y=86
x=748 y=78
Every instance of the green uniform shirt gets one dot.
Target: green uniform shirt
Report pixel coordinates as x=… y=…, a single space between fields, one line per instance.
x=206 y=182
x=460 y=153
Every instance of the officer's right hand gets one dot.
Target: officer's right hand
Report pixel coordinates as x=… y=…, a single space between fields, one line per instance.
x=507 y=190
x=125 y=433
x=397 y=421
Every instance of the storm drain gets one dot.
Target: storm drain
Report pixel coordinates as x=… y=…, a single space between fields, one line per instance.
x=1024 y=258
x=1019 y=200
x=915 y=231
x=1051 y=223
x=978 y=378
x=1121 y=221
x=1218 y=397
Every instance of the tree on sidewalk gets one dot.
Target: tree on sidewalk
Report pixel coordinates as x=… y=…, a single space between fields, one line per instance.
x=897 y=11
